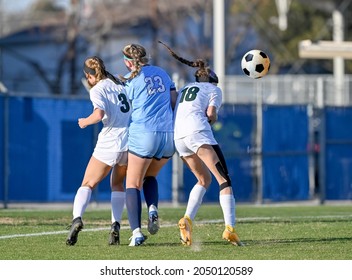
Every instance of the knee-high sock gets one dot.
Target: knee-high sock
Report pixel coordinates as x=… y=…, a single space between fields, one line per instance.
x=227 y=202
x=81 y=201
x=150 y=190
x=195 y=200
x=117 y=206
x=134 y=207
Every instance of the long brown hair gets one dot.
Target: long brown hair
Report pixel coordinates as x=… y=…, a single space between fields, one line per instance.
x=137 y=55
x=203 y=74
x=95 y=66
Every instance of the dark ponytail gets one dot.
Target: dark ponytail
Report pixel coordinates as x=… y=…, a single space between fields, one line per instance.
x=203 y=74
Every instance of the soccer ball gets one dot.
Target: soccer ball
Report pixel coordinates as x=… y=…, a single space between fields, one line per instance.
x=255 y=64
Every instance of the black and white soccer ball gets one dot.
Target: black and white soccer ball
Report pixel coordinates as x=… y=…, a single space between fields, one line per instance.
x=255 y=64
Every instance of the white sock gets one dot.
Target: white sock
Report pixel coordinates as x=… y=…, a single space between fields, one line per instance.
x=81 y=201
x=195 y=200
x=152 y=208
x=117 y=206
x=227 y=203
x=136 y=230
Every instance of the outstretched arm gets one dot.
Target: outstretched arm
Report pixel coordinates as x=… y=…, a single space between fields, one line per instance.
x=93 y=118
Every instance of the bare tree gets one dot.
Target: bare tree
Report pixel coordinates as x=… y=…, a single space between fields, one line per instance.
x=185 y=25
x=103 y=20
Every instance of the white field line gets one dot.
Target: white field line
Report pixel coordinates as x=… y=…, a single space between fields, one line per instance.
x=249 y=219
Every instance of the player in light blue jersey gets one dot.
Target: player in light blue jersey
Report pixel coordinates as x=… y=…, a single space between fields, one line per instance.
x=150 y=141
x=111 y=107
x=196 y=110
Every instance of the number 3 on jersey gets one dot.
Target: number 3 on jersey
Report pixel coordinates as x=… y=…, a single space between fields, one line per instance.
x=125 y=107
x=189 y=94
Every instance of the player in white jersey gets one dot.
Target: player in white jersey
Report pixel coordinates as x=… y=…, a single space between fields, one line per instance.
x=110 y=106
x=197 y=109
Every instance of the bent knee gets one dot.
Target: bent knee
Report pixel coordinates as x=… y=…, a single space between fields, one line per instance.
x=204 y=181
x=90 y=183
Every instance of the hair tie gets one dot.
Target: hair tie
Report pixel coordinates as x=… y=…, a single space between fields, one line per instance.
x=126 y=57
x=88 y=70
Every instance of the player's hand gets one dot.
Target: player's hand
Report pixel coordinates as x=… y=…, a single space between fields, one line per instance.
x=211 y=120
x=82 y=123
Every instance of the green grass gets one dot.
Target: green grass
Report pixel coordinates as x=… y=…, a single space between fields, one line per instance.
x=269 y=232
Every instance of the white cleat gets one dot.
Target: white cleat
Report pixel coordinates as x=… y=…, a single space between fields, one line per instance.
x=137 y=239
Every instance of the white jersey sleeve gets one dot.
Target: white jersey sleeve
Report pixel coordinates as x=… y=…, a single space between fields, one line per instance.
x=216 y=98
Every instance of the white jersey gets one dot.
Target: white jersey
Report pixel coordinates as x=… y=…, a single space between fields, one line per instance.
x=192 y=103
x=112 y=99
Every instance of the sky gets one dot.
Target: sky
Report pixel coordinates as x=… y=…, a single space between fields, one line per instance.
x=19 y=5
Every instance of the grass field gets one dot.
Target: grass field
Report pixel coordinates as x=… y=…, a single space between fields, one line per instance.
x=269 y=232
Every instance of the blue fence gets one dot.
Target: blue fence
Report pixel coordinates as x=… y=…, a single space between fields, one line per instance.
x=48 y=152
x=285 y=154
x=338 y=163
x=2 y=145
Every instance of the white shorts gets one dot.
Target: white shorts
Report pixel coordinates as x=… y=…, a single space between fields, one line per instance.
x=111 y=149
x=111 y=158
x=189 y=145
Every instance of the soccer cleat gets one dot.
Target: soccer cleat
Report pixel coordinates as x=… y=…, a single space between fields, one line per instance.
x=185 y=226
x=137 y=239
x=74 y=228
x=114 y=238
x=230 y=235
x=153 y=222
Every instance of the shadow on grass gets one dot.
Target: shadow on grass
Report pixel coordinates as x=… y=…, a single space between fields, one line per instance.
x=250 y=242
x=297 y=240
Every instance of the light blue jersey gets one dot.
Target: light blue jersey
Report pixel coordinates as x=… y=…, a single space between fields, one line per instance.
x=151 y=128
x=149 y=93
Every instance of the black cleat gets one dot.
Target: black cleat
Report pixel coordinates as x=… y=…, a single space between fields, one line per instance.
x=114 y=238
x=153 y=222
x=74 y=228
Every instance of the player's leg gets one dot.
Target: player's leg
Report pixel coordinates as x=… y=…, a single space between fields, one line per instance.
x=117 y=177
x=136 y=171
x=227 y=201
x=151 y=193
x=164 y=150
x=201 y=172
x=223 y=163
x=95 y=172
